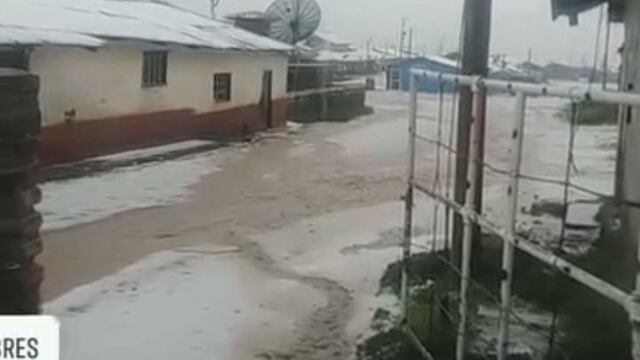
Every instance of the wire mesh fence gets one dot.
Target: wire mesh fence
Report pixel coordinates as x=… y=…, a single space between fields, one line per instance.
x=475 y=308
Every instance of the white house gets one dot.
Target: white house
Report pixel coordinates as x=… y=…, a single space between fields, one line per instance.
x=116 y=75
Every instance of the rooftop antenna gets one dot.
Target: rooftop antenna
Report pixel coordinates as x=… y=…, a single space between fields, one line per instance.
x=214 y=4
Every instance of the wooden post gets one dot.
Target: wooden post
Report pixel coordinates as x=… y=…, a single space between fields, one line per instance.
x=20 y=276
x=475 y=60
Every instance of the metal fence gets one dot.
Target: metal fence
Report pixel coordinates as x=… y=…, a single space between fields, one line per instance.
x=506 y=230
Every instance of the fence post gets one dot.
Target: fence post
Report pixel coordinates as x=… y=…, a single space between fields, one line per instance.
x=634 y=312
x=408 y=198
x=467 y=238
x=515 y=160
x=20 y=276
x=324 y=97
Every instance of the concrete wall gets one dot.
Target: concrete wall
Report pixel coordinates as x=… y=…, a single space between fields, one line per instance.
x=107 y=82
x=113 y=112
x=629 y=169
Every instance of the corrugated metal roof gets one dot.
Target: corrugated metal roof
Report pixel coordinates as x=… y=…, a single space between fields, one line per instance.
x=330 y=38
x=19 y=36
x=93 y=22
x=249 y=15
x=572 y=8
x=434 y=59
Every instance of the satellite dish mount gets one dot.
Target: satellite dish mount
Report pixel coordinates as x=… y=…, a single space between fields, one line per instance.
x=214 y=5
x=294 y=20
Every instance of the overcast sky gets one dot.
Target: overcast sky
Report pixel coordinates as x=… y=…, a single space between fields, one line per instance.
x=517 y=25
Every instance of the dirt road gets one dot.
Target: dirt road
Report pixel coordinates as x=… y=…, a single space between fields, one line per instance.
x=280 y=180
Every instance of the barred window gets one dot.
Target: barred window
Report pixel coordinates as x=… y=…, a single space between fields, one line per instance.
x=154 y=68
x=222 y=87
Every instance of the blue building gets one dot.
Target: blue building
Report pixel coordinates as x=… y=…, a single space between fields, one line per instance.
x=398 y=73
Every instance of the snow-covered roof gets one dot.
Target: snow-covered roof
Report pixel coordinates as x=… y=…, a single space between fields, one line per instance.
x=443 y=60
x=94 y=22
x=352 y=55
x=249 y=15
x=330 y=38
x=329 y=55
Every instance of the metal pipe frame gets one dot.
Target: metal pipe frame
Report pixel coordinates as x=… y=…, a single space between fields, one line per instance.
x=468 y=231
x=408 y=223
x=583 y=277
x=578 y=93
x=517 y=139
x=511 y=241
x=408 y=201
x=604 y=288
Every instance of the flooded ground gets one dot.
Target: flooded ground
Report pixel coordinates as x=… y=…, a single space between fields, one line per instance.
x=312 y=218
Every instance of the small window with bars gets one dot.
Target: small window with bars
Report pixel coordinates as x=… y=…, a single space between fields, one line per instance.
x=154 y=68
x=222 y=87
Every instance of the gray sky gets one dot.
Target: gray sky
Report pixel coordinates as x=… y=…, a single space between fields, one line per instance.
x=517 y=25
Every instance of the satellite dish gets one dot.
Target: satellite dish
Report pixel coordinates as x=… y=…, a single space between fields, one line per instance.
x=293 y=20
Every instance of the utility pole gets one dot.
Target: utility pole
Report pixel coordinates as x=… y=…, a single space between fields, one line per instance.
x=402 y=35
x=410 y=45
x=607 y=45
x=529 y=61
x=475 y=61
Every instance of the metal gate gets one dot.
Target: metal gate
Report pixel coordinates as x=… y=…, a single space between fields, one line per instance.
x=506 y=230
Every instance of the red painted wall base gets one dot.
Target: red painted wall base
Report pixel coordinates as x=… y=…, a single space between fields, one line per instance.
x=83 y=139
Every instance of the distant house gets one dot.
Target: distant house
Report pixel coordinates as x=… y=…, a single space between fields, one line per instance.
x=328 y=41
x=341 y=55
x=118 y=75
x=398 y=73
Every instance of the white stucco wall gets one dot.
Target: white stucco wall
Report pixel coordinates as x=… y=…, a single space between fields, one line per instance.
x=108 y=82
